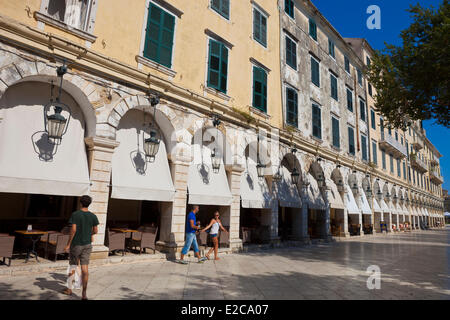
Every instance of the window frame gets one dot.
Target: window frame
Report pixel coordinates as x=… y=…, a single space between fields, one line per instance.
x=291 y=6
x=332 y=75
x=331 y=49
x=347 y=62
x=364 y=148
x=287 y=89
x=318 y=70
x=372 y=119
x=361 y=101
x=351 y=96
x=335 y=121
x=218 y=11
x=263 y=15
x=287 y=37
x=374 y=152
x=315 y=105
x=222 y=45
x=312 y=22
x=351 y=143
x=264 y=99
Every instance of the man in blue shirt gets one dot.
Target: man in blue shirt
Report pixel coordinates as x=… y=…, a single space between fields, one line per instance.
x=191 y=239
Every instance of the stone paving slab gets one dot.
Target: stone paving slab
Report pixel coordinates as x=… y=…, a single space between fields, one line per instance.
x=413 y=266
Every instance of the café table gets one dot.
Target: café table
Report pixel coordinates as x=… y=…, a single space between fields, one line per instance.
x=127 y=231
x=34 y=236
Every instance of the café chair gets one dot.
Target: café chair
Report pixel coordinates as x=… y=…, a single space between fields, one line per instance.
x=144 y=238
x=57 y=242
x=115 y=241
x=6 y=247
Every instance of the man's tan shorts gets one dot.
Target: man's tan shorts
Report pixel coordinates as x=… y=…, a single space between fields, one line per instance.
x=82 y=253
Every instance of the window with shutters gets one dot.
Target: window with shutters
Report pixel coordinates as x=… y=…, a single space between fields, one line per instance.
x=399 y=173
x=335 y=132
x=315 y=71
x=383 y=158
x=364 y=148
x=74 y=13
x=404 y=170
x=260 y=88
x=312 y=29
x=374 y=152
x=360 y=78
x=289 y=8
x=259 y=27
x=370 y=89
x=217 y=66
x=368 y=61
x=391 y=159
x=316 y=121
x=347 y=64
x=159 y=36
x=362 y=109
x=334 y=87
x=349 y=100
x=291 y=53
x=222 y=7
x=331 y=48
x=372 y=119
x=292 y=107
x=351 y=141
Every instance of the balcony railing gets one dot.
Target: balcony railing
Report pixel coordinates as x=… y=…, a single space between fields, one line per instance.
x=436 y=177
x=417 y=144
x=391 y=145
x=417 y=163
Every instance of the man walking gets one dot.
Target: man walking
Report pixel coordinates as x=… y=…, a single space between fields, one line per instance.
x=191 y=239
x=84 y=225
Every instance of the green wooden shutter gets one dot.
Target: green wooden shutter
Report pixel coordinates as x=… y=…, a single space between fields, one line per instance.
x=317 y=121
x=351 y=141
x=292 y=107
x=259 y=27
x=374 y=152
x=217 y=66
x=334 y=90
x=335 y=128
x=349 y=100
x=291 y=53
x=222 y=7
x=159 y=36
x=364 y=147
x=260 y=89
x=315 y=75
x=313 y=29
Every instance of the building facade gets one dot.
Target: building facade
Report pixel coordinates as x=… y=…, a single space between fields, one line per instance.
x=260 y=108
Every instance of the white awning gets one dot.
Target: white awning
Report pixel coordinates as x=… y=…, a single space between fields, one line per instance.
x=206 y=187
x=352 y=207
x=365 y=204
x=384 y=206
x=28 y=162
x=426 y=212
x=255 y=192
x=405 y=210
x=313 y=195
x=392 y=208
x=376 y=206
x=335 y=198
x=287 y=193
x=421 y=213
x=398 y=208
x=132 y=177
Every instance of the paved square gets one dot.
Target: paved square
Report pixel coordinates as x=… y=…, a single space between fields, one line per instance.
x=413 y=266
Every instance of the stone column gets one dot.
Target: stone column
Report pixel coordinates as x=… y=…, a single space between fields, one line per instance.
x=327 y=232
x=235 y=173
x=100 y=152
x=345 y=233
x=359 y=204
x=304 y=219
x=173 y=221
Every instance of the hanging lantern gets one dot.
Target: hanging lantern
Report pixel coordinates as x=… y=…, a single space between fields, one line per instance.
x=295 y=175
x=260 y=168
x=215 y=161
x=355 y=188
x=151 y=146
x=340 y=185
x=56 y=124
x=369 y=192
x=277 y=176
x=379 y=194
x=320 y=180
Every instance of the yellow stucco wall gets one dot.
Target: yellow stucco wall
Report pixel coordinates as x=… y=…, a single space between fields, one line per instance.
x=119 y=36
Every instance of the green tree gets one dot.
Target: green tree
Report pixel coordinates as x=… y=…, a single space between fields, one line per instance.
x=412 y=80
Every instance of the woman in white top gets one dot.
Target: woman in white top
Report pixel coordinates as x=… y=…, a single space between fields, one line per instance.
x=215 y=224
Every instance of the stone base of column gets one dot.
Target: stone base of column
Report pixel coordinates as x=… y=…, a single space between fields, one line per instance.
x=236 y=245
x=344 y=235
x=169 y=248
x=99 y=252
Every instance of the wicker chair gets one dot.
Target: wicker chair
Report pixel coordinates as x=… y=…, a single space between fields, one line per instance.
x=6 y=247
x=246 y=235
x=115 y=241
x=144 y=238
x=57 y=242
x=224 y=238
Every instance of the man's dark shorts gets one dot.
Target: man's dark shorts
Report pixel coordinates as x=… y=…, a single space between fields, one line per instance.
x=81 y=253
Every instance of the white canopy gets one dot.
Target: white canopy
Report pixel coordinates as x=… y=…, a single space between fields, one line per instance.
x=376 y=206
x=384 y=206
x=335 y=198
x=398 y=208
x=365 y=207
x=419 y=210
x=255 y=192
x=405 y=210
x=28 y=162
x=352 y=207
x=287 y=193
x=206 y=187
x=313 y=195
x=426 y=212
x=392 y=207
x=132 y=177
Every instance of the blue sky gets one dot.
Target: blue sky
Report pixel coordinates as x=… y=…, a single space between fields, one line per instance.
x=349 y=18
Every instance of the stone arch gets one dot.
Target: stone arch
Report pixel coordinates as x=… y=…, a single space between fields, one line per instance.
x=68 y=87
x=316 y=170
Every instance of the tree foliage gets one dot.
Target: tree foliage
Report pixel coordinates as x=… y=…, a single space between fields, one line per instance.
x=412 y=80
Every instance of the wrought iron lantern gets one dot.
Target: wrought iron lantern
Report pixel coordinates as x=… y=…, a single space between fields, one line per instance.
x=151 y=144
x=320 y=180
x=55 y=123
x=215 y=156
x=295 y=175
x=340 y=185
x=369 y=192
x=355 y=188
x=379 y=194
x=260 y=168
